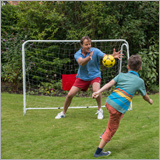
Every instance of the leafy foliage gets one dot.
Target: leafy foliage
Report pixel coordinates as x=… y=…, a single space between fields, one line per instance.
x=135 y=21
x=149 y=67
x=8 y=19
x=41 y=20
x=11 y=69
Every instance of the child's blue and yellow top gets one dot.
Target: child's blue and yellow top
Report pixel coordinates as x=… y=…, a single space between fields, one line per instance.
x=126 y=86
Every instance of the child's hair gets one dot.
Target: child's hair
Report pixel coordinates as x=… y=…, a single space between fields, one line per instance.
x=83 y=38
x=135 y=62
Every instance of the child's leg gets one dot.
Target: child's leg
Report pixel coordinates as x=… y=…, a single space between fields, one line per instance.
x=102 y=144
x=99 y=151
x=113 y=123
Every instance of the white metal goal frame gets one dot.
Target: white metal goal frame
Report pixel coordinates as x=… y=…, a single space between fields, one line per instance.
x=124 y=44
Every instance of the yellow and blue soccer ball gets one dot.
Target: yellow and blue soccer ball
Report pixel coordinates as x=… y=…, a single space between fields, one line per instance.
x=108 y=61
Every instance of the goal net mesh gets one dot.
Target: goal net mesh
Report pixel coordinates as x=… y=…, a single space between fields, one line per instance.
x=44 y=63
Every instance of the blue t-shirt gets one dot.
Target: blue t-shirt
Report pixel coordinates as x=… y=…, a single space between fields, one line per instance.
x=126 y=86
x=91 y=70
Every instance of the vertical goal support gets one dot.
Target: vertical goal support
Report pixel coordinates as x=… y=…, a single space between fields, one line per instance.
x=127 y=47
x=124 y=46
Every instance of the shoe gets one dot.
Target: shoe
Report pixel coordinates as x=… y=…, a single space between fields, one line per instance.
x=101 y=136
x=60 y=115
x=102 y=154
x=100 y=114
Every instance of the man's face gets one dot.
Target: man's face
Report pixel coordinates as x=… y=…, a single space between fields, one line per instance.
x=86 y=46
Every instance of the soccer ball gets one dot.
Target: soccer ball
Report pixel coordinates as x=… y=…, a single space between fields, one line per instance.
x=108 y=61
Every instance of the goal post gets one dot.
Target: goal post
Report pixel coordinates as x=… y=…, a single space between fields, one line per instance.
x=45 y=61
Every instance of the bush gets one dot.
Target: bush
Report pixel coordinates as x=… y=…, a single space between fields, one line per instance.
x=150 y=63
x=11 y=68
x=137 y=22
x=40 y=19
x=8 y=19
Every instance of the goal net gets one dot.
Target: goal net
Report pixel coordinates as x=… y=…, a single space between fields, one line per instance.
x=49 y=70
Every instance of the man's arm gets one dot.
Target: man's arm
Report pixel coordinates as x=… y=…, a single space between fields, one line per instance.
x=83 y=61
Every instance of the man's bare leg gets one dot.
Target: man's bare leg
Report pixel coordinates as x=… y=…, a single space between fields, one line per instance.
x=73 y=91
x=95 y=88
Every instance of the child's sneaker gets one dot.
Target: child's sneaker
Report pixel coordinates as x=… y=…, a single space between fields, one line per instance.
x=60 y=115
x=102 y=154
x=101 y=136
x=100 y=114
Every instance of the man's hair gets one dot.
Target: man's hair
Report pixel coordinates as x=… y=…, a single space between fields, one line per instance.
x=134 y=62
x=83 y=38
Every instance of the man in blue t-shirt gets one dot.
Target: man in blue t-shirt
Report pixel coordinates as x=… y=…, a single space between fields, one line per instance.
x=89 y=73
x=119 y=100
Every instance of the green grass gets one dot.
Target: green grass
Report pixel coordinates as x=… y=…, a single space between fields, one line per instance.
x=39 y=136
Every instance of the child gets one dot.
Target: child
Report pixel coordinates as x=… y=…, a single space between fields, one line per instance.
x=119 y=100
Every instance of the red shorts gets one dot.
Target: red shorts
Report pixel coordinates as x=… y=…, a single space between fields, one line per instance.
x=84 y=85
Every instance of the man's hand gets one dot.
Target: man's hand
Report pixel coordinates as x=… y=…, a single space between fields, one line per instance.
x=90 y=55
x=117 y=54
x=83 y=61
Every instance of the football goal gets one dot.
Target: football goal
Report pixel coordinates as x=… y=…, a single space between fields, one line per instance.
x=49 y=70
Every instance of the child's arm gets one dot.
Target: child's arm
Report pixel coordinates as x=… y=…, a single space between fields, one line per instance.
x=146 y=98
x=106 y=86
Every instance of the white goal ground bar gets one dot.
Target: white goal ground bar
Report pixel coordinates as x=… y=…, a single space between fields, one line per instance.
x=60 y=41
x=78 y=107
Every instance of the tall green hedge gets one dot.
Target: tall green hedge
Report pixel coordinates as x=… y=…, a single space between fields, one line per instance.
x=135 y=21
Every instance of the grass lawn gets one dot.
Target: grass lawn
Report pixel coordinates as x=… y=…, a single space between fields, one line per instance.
x=38 y=135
